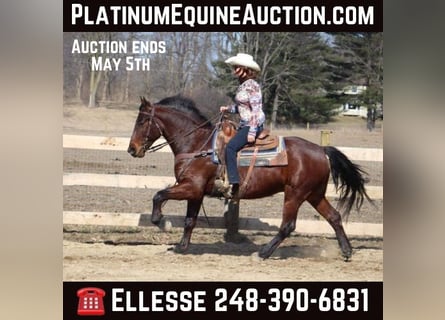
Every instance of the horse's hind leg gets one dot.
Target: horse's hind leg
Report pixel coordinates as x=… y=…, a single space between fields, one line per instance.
x=322 y=205
x=193 y=207
x=290 y=210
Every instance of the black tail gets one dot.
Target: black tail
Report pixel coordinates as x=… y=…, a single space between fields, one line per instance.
x=348 y=179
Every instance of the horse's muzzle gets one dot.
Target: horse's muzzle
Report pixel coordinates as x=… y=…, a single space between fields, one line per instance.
x=132 y=151
x=135 y=152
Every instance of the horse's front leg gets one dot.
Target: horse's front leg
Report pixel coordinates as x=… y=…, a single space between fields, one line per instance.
x=193 y=207
x=159 y=198
x=182 y=191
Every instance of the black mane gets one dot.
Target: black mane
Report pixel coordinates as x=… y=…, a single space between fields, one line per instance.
x=184 y=104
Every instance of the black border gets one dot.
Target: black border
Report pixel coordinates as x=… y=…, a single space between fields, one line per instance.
x=94 y=5
x=374 y=289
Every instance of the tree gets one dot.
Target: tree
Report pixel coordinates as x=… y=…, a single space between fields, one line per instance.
x=77 y=66
x=360 y=57
x=302 y=72
x=95 y=75
x=293 y=74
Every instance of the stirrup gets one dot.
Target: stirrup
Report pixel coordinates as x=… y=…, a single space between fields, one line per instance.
x=232 y=193
x=225 y=189
x=221 y=187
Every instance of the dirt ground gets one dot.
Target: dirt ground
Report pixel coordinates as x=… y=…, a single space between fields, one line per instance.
x=143 y=253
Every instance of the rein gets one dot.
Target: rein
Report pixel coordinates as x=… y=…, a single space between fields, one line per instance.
x=201 y=153
x=166 y=143
x=178 y=157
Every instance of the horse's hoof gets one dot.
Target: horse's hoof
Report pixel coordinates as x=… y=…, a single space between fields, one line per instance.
x=264 y=254
x=156 y=219
x=347 y=257
x=165 y=225
x=255 y=257
x=180 y=249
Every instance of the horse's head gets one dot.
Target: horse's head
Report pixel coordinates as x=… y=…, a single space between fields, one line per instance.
x=146 y=130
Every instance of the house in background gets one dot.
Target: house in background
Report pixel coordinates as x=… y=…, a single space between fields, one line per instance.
x=352 y=107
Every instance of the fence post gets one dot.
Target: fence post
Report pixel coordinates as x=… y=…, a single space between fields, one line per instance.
x=231 y=218
x=325 y=139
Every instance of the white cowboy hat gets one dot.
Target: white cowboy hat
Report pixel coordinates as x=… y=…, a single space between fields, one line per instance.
x=245 y=60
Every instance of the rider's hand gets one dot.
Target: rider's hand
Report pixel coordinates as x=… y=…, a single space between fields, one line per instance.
x=223 y=108
x=250 y=139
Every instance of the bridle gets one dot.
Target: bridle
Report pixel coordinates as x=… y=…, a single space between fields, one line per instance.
x=189 y=156
x=150 y=122
x=155 y=148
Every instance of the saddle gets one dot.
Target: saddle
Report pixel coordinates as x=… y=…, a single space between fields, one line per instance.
x=268 y=150
x=264 y=141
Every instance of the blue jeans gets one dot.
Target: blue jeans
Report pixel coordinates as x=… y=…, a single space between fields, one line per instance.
x=236 y=144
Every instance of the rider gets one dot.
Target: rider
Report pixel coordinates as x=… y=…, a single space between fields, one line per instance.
x=248 y=103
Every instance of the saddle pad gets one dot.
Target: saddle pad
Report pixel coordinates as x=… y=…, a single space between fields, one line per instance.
x=265 y=158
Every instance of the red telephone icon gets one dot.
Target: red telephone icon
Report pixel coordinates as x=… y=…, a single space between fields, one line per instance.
x=90 y=302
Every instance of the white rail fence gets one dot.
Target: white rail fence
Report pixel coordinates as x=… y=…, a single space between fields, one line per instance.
x=158 y=182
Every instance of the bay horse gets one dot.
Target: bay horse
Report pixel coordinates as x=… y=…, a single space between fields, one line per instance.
x=305 y=178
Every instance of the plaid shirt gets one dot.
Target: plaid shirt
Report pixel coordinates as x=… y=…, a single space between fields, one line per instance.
x=249 y=105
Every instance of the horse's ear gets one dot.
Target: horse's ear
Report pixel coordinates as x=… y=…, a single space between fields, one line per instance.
x=145 y=101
